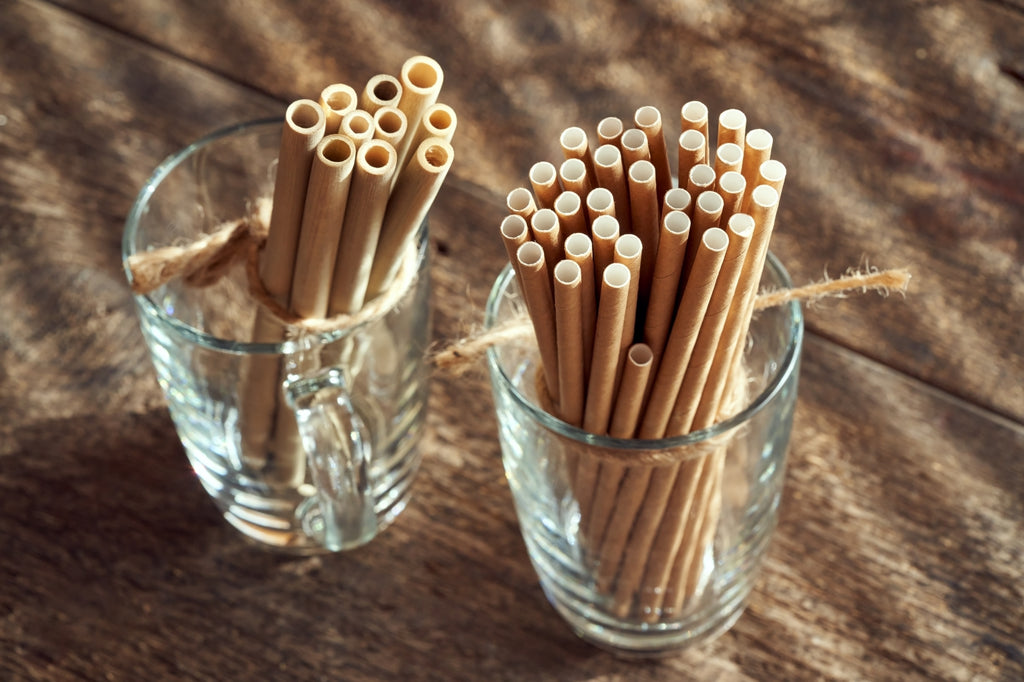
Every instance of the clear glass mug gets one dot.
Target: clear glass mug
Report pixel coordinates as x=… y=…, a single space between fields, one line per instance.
x=661 y=548
x=308 y=444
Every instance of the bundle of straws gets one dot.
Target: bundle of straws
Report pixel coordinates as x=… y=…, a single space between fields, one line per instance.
x=640 y=291
x=356 y=175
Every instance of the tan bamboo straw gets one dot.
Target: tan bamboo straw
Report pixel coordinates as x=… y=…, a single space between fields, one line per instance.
x=576 y=145
x=382 y=90
x=438 y=120
x=757 y=148
x=535 y=281
x=547 y=232
x=568 y=296
x=421 y=79
x=701 y=178
x=600 y=201
x=579 y=249
x=728 y=157
x=732 y=127
x=571 y=216
x=520 y=202
x=326 y=197
x=410 y=201
x=629 y=251
x=611 y=316
x=514 y=233
x=668 y=269
x=336 y=100
x=573 y=174
x=367 y=204
x=644 y=208
x=389 y=124
x=694 y=116
x=611 y=175
x=545 y=183
x=676 y=199
x=731 y=187
x=648 y=119
x=707 y=213
x=604 y=232
x=357 y=125
x=634 y=146
x=609 y=130
x=691 y=152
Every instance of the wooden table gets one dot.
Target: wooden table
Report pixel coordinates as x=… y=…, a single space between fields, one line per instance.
x=900 y=551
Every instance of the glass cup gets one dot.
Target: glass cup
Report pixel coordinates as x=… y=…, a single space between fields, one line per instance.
x=305 y=443
x=646 y=547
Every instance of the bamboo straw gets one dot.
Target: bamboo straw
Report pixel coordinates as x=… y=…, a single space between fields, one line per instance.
x=611 y=175
x=336 y=100
x=731 y=187
x=707 y=213
x=629 y=251
x=573 y=174
x=701 y=178
x=668 y=270
x=438 y=120
x=694 y=116
x=728 y=157
x=326 y=197
x=514 y=233
x=568 y=296
x=691 y=153
x=648 y=119
x=535 y=282
x=357 y=125
x=407 y=207
x=644 y=208
x=609 y=130
x=421 y=79
x=579 y=249
x=611 y=314
x=545 y=183
x=367 y=204
x=389 y=124
x=381 y=90
x=634 y=146
x=600 y=201
x=571 y=216
x=676 y=199
x=575 y=145
x=604 y=232
x=732 y=127
x=520 y=202
x=757 y=148
x=547 y=231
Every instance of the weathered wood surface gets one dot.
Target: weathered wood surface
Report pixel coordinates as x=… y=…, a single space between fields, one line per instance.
x=900 y=552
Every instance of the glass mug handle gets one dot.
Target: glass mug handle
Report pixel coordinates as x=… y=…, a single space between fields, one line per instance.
x=338 y=450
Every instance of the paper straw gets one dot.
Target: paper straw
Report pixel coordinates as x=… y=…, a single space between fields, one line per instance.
x=573 y=174
x=413 y=195
x=389 y=124
x=579 y=249
x=629 y=251
x=302 y=131
x=575 y=145
x=701 y=178
x=382 y=90
x=357 y=125
x=732 y=127
x=694 y=116
x=604 y=232
x=728 y=157
x=547 y=232
x=514 y=233
x=600 y=201
x=611 y=175
x=691 y=152
x=757 y=148
x=634 y=146
x=421 y=79
x=568 y=295
x=707 y=213
x=326 y=197
x=535 y=282
x=773 y=174
x=611 y=313
x=644 y=216
x=367 y=204
x=731 y=187
x=336 y=100
x=520 y=202
x=648 y=119
x=545 y=183
x=668 y=268
x=609 y=130
x=571 y=216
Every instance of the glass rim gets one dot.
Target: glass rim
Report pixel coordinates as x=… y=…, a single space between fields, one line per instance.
x=296 y=340
x=787 y=366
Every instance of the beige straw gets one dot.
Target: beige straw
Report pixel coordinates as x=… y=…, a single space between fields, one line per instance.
x=604 y=232
x=611 y=313
x=645 y=208
x=579 y=249
x=728 y=157
x=514 y=233
x=520 y=202
x=545 y=183
x=634 y=146
x=326 y=196
x=389 y=124
x=367 y=204
x=600 y=201
x=668 y=268
x=773 y=174
x=571 y=216
x=336 y=100
x=421 y=79
x=410 y=201
x=547 y=232
x=676 y=199
x=535 y=282
x=707 y=213
x=609 y=130
x=568 y=295
x=611 y=175
x=575 y=145
x=701 y=178
x=732 y=127
x=357 y=125
x=731 y=187
x=382 y=90
x=438 y=120
x=573 y=174
x=648 y=119
x=757 y=148
x=691 y=152
x=694 y=116
x=629 y=251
